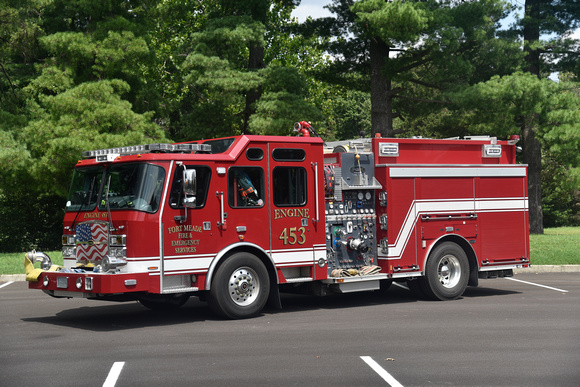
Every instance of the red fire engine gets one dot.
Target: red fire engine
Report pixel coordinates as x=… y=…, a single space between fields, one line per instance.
x=238 y=220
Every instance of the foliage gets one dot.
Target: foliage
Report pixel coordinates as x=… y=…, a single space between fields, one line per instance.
x=30 y=220
x=561 y=195
x=500 y=105
x=351 y=114
x=226 y=85
x=79 y=74
x=282 y=102
x=71 y=81
x=546 y=28
x=72 y=121
x=444 y=45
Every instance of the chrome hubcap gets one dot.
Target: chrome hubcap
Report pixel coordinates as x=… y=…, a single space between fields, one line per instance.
x=449 y=271
x=244 y=286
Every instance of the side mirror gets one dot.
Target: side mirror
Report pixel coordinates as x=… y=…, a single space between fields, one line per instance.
x=189 y=187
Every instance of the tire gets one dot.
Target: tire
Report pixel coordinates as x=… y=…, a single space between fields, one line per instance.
x=165 y=303
x=240 y=287
x=447 y=272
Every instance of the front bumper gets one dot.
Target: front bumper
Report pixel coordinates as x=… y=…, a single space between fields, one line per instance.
x=88 y=285
x=61 y=282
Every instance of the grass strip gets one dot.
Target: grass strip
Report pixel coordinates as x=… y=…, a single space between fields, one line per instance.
x=557 y=246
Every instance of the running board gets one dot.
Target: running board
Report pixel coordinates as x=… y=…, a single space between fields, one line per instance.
x=356 y=284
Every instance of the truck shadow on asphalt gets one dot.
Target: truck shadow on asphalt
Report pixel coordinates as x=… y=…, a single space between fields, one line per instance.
x=111 y=317
x=395 y=295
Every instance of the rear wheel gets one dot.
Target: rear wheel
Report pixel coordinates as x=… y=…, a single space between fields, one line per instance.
x=447 y=272
x=240 y=287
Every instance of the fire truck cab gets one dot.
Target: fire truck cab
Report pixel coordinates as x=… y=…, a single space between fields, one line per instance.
x=237 y=220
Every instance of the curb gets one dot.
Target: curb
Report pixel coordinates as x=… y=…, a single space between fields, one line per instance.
x=538 y=269
x=12 y=277
x=549 y=269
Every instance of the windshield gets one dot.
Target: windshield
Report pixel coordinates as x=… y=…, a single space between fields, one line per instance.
x=133 y=186
x=84 y=189
x=220 y=145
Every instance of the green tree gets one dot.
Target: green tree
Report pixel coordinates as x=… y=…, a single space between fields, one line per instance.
x=543 y=56
x=235 y=84
x=90 y=115
x=414 y=51
x=504 y=105
x=71 y=79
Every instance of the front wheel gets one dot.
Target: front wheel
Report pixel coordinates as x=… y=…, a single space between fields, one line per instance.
x=240 y=287
x=447 y=272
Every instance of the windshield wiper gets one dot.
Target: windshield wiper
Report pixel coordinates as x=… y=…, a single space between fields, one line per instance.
x=88 y=201
x=108 y=205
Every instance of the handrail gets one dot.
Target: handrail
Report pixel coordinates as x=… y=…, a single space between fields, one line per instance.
x=315 y=166
x=428 y=217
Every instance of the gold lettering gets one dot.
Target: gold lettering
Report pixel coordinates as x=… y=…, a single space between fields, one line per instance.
x=185 y=250
x=291 y=213
x=182 y=228
x=185 y=242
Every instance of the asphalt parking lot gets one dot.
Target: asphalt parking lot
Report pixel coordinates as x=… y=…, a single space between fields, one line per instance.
x=523 y=331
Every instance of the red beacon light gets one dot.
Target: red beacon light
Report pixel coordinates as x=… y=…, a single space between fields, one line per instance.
x=303 y=128
x=514 y=139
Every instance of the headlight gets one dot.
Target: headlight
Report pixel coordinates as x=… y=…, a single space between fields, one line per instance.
x=118 y=252
x=118 y=240
x=68 y=240
x=68 y=246
x=69 y=252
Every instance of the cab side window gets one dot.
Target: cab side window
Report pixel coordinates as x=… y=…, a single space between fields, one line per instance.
x=289 y=186
x=246 y=187
x=203 y=176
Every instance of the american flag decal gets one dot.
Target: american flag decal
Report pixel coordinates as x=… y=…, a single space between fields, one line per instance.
x=91 y=242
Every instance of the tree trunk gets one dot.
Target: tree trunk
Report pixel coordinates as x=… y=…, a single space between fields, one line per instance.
x=532 y=149
x=532 y=152
x=532 y=35
x=255 y=62
x=381 y=98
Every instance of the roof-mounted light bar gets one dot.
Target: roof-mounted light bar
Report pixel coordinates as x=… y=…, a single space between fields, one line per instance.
x=140 y=149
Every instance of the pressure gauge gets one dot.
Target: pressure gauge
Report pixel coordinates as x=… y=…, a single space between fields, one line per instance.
x=361 y=196
x=368 y=196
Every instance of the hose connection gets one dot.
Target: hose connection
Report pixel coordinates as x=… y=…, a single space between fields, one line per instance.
x=37 y=256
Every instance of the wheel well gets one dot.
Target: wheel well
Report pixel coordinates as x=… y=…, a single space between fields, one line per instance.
x=471 y=257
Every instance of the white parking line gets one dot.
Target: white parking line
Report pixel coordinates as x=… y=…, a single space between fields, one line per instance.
x=6 y=284
x=381 y=371
x=542 y=286
x=114 y=374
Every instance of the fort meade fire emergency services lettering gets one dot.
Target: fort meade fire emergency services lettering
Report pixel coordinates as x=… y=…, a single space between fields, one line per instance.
x=184 y=242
